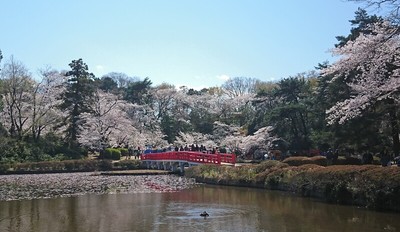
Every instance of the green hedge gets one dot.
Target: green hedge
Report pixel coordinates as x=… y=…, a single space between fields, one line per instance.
x=301 y=160
x=123 y=151
x=111 y=153
x=127 y=164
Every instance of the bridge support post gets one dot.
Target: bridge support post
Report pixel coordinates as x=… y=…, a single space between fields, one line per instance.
x=182 y=167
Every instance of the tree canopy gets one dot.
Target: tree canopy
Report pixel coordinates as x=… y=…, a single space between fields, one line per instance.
x=349 y=105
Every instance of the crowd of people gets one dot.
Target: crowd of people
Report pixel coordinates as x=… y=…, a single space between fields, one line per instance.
x=366 y=157
x=135 y=153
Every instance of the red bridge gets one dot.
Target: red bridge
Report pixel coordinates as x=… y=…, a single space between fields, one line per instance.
x=179 y=159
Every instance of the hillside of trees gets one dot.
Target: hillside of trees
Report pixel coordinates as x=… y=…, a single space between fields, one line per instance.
x=350 y=105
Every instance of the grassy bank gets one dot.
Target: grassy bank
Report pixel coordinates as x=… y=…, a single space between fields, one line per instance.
x=368 y=186
x=68 y=166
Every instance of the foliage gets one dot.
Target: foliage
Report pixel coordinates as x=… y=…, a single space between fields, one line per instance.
x=239 y=86
x=290 y=109
x=111 y=153
x=48 y=148
x=56 y=166
x=373 y=57
x=300 y=160
x=124 y=151
x=127 y=165
x=78 y=98
x=108 y=124
x=138 y=91
x=348 y=161
x=357 y=95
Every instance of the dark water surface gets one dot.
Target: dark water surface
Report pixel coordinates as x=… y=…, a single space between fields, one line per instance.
x=230 y=209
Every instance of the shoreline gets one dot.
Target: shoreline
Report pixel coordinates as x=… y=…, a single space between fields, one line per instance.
x=369 y=186
x=137 y=172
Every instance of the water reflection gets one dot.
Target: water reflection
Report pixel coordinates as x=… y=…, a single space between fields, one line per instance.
x=230 y=209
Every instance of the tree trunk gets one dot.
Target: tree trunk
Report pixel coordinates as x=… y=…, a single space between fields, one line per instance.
x=395 y=128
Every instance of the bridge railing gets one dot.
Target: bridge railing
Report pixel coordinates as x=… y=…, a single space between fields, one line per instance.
x=190 y=156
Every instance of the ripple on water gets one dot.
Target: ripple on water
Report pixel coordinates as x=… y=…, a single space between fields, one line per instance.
x=187 y=211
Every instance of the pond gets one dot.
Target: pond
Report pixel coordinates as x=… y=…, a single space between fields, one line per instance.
x=229 y=209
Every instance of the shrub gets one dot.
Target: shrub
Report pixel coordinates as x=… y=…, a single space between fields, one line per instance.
x=106 y=154
x=123 y=151
x=105 y=165
x=301 y=160
x=4 y=167
x=111 y=153
x=127 y=164
x=348 y=161
x=269 y=164
x=57 y=166
x=115 y=154
x=59 y=157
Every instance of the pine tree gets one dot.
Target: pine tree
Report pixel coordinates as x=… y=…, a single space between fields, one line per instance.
x=78 y=98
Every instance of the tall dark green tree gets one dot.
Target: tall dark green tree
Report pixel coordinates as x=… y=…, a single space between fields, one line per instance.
x=288 y=111
x=291 y=116
x=361 y=24
x=390 y=8
x=137 y=92
x=263 y=103
x=107 y=84
x=1 y=57
x=77 y=98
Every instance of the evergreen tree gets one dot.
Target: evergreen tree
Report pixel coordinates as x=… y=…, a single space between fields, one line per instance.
x=361 y=25
x=77 y=98
x=1 y=57
x=137 y=92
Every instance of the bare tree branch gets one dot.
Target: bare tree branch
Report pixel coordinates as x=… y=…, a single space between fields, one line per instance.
x=390 y=7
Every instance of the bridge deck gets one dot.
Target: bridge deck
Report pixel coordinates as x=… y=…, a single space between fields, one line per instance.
x=191 y=156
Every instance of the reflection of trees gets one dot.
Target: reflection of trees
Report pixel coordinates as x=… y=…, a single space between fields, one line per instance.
x=121 y=212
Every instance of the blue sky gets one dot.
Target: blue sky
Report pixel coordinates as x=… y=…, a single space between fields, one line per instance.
x=193 y=43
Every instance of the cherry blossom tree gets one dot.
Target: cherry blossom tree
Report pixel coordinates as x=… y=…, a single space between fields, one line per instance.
x=171 y=110
x=222 y=130
x=195 y=138
x=45 y=113
x=258 y=143
x=17 y=97
x=114 y=122
x=107 y=125
x=371 y=66
x=31 y=108
x=233 y=143
x=164 y=97
x=239 y=86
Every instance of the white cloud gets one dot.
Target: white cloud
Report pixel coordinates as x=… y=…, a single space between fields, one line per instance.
x=195 y=87
x=223 y=77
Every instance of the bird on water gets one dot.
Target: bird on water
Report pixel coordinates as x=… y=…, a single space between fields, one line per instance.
x=204 y=214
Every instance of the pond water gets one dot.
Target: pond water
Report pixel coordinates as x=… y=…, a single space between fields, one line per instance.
x=230 y=209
